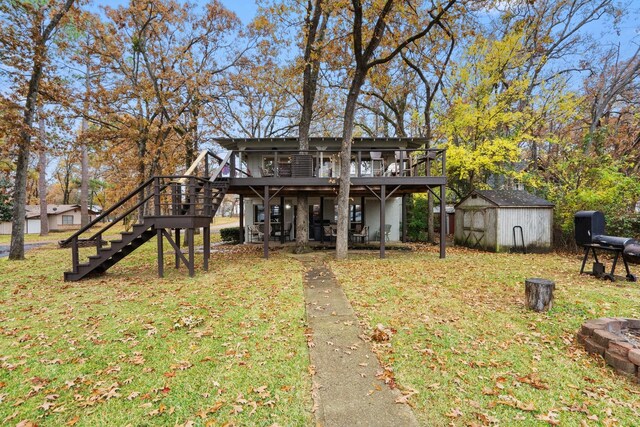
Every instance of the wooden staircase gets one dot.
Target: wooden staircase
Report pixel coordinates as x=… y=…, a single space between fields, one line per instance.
x=164 y=204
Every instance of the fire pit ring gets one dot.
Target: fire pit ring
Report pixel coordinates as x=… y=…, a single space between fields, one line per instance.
x=617 y=340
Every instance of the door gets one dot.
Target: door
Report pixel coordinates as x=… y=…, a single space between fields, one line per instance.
x=474 y=228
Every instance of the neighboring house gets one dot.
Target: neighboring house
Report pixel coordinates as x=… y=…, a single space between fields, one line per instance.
x=61 y=217
x=488 y=220
x=383 y=171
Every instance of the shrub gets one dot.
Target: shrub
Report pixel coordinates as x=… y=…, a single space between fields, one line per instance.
x=230 y=234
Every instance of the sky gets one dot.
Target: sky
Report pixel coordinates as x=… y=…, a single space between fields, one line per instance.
x=245 y=9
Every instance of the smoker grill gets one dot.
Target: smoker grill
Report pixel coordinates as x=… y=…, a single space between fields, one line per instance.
x=589 y=233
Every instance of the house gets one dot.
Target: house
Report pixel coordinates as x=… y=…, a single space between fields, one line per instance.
x=502 y=220
x=383 y=171
x=61 y=217
x=269 y=175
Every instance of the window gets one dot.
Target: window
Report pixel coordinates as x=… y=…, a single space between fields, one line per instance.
x=258 y=213
x=355 y=214
x=67 y=219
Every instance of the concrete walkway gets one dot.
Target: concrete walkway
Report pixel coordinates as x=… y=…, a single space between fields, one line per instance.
x=346 y=390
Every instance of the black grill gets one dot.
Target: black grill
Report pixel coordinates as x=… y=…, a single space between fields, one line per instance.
x=589 y=232
x=588 y=224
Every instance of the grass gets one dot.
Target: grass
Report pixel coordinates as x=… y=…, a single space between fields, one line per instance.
x=228 y=346
x=129 y=348
x=469 y=353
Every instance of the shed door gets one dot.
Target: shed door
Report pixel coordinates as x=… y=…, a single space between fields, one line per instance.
x=474 y=227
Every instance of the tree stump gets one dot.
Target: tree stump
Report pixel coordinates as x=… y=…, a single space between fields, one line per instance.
x=539 y=294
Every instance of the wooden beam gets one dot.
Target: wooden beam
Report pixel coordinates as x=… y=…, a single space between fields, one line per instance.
x=191 y=238
x=267 y=222
x=241 y=218
x=206 y=237
x=176 y=247
x=404 y=218
x=160 y=254
x=443 y=218
x=383 y=202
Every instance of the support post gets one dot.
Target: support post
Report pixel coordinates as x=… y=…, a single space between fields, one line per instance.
x=206 y=237
x=383 y=203
x=267 y=222
x=75 y=259
x=404 y=218
x=362 y=210
x=282 y=220
x=443 y=218
x=156 y=196
x=241 y=218
x=177 y=248
x=190 y=237
x=443 y=209
x=160 y=254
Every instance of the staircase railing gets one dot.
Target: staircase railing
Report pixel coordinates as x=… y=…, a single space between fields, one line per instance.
x=172 y=195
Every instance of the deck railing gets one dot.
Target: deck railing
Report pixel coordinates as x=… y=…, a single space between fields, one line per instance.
x=253 y=163
x=169 y=195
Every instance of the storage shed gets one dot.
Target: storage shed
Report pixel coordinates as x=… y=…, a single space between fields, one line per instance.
x=499 y=221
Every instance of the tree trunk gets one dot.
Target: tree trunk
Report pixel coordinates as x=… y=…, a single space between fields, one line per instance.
x=316 y=24
x=16 y=250
x=539 y=294
x=84 y=163
x=342 y=240
x=42 y=181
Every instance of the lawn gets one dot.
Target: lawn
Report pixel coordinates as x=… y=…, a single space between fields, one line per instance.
x=468 y=352
x=227 y=346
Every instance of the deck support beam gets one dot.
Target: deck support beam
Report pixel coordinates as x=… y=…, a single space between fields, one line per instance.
x=191 y=238
x=206 y=237
x=177 y=248
x=443 y=219
x=383 y=204
x=160 y=253
x=267 y=222
x=241 y=218
x=404 y=218
x=281 y=219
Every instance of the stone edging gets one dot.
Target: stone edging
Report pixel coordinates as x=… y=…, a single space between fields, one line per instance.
x=603 y=336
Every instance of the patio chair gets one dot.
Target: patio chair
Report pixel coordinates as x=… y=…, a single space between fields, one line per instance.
x=387 y=231
x=262 y=232
x=331 y=232
x=362 y=235
x=254 y=232
x=286 y=234
x=265 y=173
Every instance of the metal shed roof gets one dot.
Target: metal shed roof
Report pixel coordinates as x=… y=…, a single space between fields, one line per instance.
x=510 y=198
